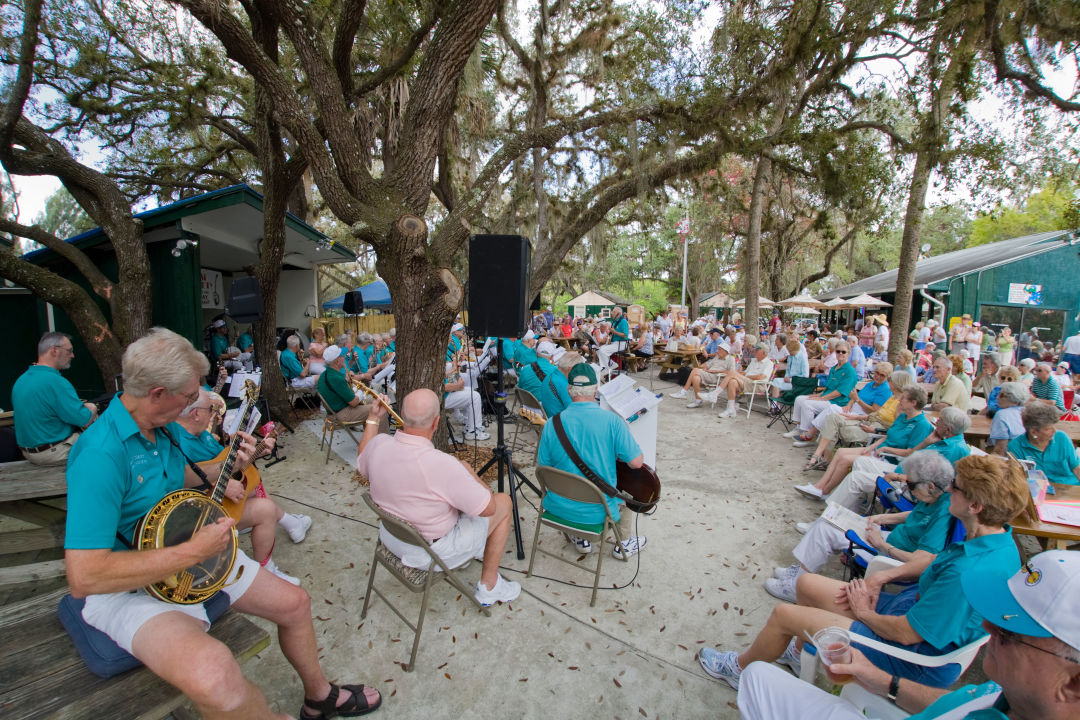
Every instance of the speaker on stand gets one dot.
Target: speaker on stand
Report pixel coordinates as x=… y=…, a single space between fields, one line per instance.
x=498 y=280
x=354 y=305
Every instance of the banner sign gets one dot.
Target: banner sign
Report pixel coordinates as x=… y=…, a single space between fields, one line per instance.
x=1025 y=294
x=213 y=289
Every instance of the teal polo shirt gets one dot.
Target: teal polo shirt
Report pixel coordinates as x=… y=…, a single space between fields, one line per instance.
x=452 y=348
x=530 y=381
x=290 y=365
x=350 y=355
x=953 y=449
x=335 y=389
x=904 y=433
x=555 y=394
x=842 y=379
x=942 y=615
x=872 y=394
x=201 y=447
x=114 y=476
x=1057 y=461
x=523 y=354
x=47 y=409
x=363 y=357
x=926 y=527
x=218 y=345
x=957 y=699
x=245 y=342
x=382 y=355
x=600 y=437
x=622 y=326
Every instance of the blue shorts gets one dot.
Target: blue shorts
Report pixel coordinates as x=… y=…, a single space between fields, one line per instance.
x=898 y=604
x=1074 y=362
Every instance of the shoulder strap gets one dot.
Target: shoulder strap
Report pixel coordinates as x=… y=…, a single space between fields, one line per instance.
x=604 y=486
x=551 y=386
x=206 y=485
x=540 y=374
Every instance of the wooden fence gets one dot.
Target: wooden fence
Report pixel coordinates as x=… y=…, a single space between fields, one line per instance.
x=360 y=323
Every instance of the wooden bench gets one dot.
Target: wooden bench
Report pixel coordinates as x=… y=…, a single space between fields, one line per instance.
x=41 y=675
x=31 y=548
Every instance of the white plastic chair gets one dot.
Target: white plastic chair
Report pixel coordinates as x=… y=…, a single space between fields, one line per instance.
x=759 y=387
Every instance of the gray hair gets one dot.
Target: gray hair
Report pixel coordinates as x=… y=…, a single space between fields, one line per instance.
x=203 y=395
x=392 y=332
x=292 y=341
x=581 y=391
x=569 y=360
x=844 y=344
x=931 y=467
x=900 y=380
x=782 y=337
x=992 y=357
x=341 y=340
x=915 y=393
x=1016 y=392
x=164 y=359
x=364 y=338
x=955 y=419
x=50 y=340
x=1037 y=415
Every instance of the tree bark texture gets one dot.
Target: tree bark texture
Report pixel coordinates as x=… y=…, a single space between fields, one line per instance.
x=753 y=248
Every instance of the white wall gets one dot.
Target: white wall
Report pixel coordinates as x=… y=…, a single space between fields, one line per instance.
x=296 y=294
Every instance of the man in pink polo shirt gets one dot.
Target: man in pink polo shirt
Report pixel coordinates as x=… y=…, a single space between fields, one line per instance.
x=451 y=507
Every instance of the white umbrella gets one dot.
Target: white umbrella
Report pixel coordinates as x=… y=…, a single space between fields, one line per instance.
x=866 y=301
x=804 y=311
x=762 y=302
x=801 y=300
x=837 y=302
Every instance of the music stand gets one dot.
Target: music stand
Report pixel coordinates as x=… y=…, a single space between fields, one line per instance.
x=503 y=456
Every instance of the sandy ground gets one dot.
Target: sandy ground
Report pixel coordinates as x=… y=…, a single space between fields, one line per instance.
x=726 y=519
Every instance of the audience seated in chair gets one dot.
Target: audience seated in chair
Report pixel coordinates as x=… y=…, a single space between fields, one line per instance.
x=737 y=382
x=1043 y=444
x=838 y=385
x=873 y=395
x=712 y=373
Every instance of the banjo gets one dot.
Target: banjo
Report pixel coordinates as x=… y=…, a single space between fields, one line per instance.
x=180 y=514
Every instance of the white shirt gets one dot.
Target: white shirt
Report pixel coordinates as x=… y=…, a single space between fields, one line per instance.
x=1071 y=345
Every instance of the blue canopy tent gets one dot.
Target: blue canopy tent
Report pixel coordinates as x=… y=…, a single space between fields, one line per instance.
x=376 y=296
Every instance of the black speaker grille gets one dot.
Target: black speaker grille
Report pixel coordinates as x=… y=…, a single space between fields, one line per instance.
x=498 y=278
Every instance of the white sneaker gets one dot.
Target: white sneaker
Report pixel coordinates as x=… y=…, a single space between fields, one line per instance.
x=782 y=572
x=782 y=588
x=679 y=395
x=477 y=435
x=297 y=534
x=629 y=547
x=804 y=443
x=271 y=567
x=581 y=544
x=802 y=527
x=722 y=665
x=504 y=591
x=694 y=404
x=810 y=491
x=791 y=658
x=709 y=396
x=728 y=413
x=792 y=433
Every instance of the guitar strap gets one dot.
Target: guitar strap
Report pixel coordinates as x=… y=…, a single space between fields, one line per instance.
x=540 y=374
x=604 y=486
x=554 y=390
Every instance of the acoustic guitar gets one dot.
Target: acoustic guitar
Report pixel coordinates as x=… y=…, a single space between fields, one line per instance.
x=249 y=477
x=641 y=485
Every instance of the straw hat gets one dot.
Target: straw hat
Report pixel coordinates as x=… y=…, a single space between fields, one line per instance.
x=882 y=320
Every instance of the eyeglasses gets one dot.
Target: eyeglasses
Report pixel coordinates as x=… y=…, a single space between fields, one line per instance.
x=1008 y=636
x=201 y=407
x=954 y=487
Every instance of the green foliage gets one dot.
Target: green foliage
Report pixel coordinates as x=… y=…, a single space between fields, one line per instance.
x=1051 y=208
x=63 y=216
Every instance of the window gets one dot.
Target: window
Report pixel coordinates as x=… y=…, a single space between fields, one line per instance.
x=1051 y=323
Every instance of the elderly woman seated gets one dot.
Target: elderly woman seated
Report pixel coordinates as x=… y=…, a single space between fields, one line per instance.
x=856 y=427
x=931 y=618
x=838 y=386
x=1043 y=444
x=919 y=534
x=869 y=399
x=947 y=437
x=1007 y=373
x=1008 y=422
x=735 y=383
x=796 y=364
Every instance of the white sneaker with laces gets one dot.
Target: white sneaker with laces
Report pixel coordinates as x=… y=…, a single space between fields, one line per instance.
x=477 y=435
x=810 y=491
x=783 y=588
x=782 y=572
x=679 y=395
x=791 y=658
x=728 y=413
x=694 y=403
x=270 y=566
x=722 y=665
x=581 y=544
x=299 y=531
x=629 y=547
x=792 y=433
x=504 y=591
x=804 y=443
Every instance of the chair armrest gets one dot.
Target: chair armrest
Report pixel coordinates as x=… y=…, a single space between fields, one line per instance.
x=859 y=543
x=879 y=563
x=962 y=655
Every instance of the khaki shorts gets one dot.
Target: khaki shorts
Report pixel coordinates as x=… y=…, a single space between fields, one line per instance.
x=465 y=541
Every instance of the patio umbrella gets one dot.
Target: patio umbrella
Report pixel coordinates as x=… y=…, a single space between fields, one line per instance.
x=866 y=301
x=802 y=300
x=837 y=302
x=803 y=311
x=762 y=302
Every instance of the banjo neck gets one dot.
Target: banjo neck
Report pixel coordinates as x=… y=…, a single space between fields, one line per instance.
x=234 y=447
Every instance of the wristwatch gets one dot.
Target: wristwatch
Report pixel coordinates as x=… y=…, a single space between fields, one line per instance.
x=894 y=688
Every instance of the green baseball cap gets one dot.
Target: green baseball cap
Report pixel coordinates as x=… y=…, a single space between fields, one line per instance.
x=582 y=375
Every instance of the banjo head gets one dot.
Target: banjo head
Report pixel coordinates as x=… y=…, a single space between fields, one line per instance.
x=173 y=521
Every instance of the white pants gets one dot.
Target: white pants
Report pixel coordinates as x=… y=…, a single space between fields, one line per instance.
x=860 y=482
x=468 y=401
x=304 y=383
x=808 y=407
x=768 y=692
x=604 y=352
x=819 y=421
x=822 y=541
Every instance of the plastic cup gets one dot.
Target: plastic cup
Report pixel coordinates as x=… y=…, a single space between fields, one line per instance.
x=834 y=645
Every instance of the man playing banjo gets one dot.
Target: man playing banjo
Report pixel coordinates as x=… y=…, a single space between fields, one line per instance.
x=121 y=467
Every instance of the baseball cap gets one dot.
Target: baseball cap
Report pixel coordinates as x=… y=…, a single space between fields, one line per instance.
x=581 y=375
x=716 y=330
x=331 y=354
x=1034 y=600
x=1064 y=363
x=218 y=323
x=545 y=347
x=456 y=327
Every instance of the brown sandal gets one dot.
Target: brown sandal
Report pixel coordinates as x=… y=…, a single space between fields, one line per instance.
x=355 y=706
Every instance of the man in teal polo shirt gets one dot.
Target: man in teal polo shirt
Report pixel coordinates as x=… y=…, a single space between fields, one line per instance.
x=600 y=437
x=554 y=394
x=620 y=335
x=219 y=343
x=48 y=413
x=124 y=465
x=295 y=372
x=532 y=377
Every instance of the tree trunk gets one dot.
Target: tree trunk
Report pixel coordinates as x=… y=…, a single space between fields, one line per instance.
x=753 y=249
x=909 y=252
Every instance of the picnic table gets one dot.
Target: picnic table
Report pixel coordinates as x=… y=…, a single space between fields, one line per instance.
x=980 y=429
x=1056 y=537
x=673 y=359
x=567 y=342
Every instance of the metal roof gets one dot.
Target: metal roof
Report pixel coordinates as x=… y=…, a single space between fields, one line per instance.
x=959 y=262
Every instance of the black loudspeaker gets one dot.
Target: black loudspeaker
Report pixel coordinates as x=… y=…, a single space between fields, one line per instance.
x=354 y=302
x=498 y=277
x=245 y=300
x=536 y=304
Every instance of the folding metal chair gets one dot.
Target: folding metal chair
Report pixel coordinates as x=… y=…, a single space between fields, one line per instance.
x=333 y=424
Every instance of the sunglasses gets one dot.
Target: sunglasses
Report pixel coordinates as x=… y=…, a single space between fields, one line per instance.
x=841 y=352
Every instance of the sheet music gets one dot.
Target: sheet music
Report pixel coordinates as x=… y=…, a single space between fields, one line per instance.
x=232 y=420
x=236 y=384
x=840 y=517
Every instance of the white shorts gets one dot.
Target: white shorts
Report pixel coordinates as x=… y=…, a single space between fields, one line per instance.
x=120 y=615
x=465 y=541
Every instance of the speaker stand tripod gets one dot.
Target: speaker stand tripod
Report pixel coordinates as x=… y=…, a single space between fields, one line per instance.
x=504 y=458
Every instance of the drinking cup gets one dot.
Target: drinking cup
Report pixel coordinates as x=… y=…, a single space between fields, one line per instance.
x=834 y=646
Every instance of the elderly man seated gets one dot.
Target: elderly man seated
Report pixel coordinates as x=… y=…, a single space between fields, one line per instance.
x=869 y=399
x=950 y=391
x=711 y=372
x=1043 y=444
x=1045 y=389
x=946 y=438
x=340 y=397
x=735 y=383
x=1032 y=659
x=918 y=534
x=452 y=508
x=295 y=372
x=796 y=364
x=985 y=382
x=838 y=386
x=458 y=396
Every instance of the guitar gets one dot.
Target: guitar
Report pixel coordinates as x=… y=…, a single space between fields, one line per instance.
x=179 y=515
x=642 y=484
x=249 y=477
